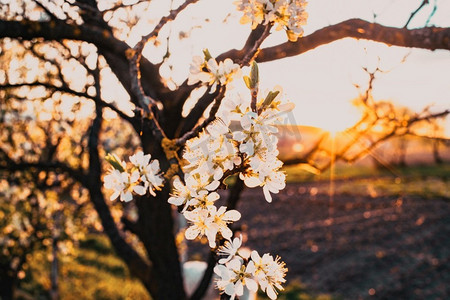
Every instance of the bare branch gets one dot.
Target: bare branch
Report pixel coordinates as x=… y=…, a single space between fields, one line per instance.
x=137 y=265
x=67 y=90
x=46 y=10
x=424 y=2
x=12 y=166
x=433 y=11
x=145 y=100
x=212 y=115
x=123 y=5
x=431 y=38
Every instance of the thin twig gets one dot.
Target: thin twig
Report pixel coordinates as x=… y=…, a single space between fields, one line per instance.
x=424 y=2
x=212 y=115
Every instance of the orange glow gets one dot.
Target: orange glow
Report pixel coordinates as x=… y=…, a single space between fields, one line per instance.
x=297 y=147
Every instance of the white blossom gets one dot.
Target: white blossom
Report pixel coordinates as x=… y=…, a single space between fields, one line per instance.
x=200 y=223
x=270 y=273
x=203 y=199
x=234 y=277
x=286 y=14
x=152 y=177
x=140 y=160
x=229 y=249
x=145 y=175
x=149 y=171
x=211 y=72
x=181 y=194
x=220 y=218
x=208 y=222
x=274 y=181
x=123 y=184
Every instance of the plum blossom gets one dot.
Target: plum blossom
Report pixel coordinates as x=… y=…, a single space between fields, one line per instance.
x=234 y=277
x=269 y=272
x=181 y=193
x=208 y=159
x=200 y=223
x=203 y=199
x=273 y=183
x=149 y=170
x=123 y=184
x=220 y=219
x=152 y=177
x=209 y=222
x=286 y=14
x=140 y=160
x=229 y=249
x=145 y=175
x=211 y=72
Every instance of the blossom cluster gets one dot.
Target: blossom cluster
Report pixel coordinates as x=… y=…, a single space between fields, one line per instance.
x=144 y=175
x=207 y=70
x=287 y=14
x=237 y=271
x=258 y=145
x=240 y=141
x=207 y=159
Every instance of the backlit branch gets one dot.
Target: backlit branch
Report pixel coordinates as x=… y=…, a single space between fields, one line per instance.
x=67 y=90
x=145 y=100
x=137 y=265
x=431 y=38
x=246 y=55
x=212 y=115
x=424 y=2
x=394 y=121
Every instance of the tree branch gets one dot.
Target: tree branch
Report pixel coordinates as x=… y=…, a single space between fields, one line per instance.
x=137 y=265
x=12 y=166
x=67 y=90
x=431 y=38
x=212 y=115
x=114 y=50
x=424 y=2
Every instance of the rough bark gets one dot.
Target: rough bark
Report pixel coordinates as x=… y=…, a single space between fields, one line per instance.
x=138 y=267
x=156 y=231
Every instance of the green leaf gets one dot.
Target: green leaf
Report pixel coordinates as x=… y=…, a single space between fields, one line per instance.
x=248 y=82
x=269 y=98
x=207 y=54
x=114 y=161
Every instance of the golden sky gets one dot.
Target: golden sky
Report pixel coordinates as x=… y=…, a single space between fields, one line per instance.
x=320 y=82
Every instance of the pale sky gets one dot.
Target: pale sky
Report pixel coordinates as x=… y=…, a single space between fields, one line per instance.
x=321 y=82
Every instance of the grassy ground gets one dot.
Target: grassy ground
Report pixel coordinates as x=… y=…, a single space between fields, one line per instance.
x=298 y=174
x=93 y=272
x=422 y=181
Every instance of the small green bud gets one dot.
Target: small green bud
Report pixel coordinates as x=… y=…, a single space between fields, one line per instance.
x=254 y=75
x=248 y=82
x=269 y=98
x=114 y=161
x=207 y=54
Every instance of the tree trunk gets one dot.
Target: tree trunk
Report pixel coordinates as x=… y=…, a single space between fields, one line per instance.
x=7 y=283
x=54 y=291
x=436 y=155
x=157 y=234
x=156 y=231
